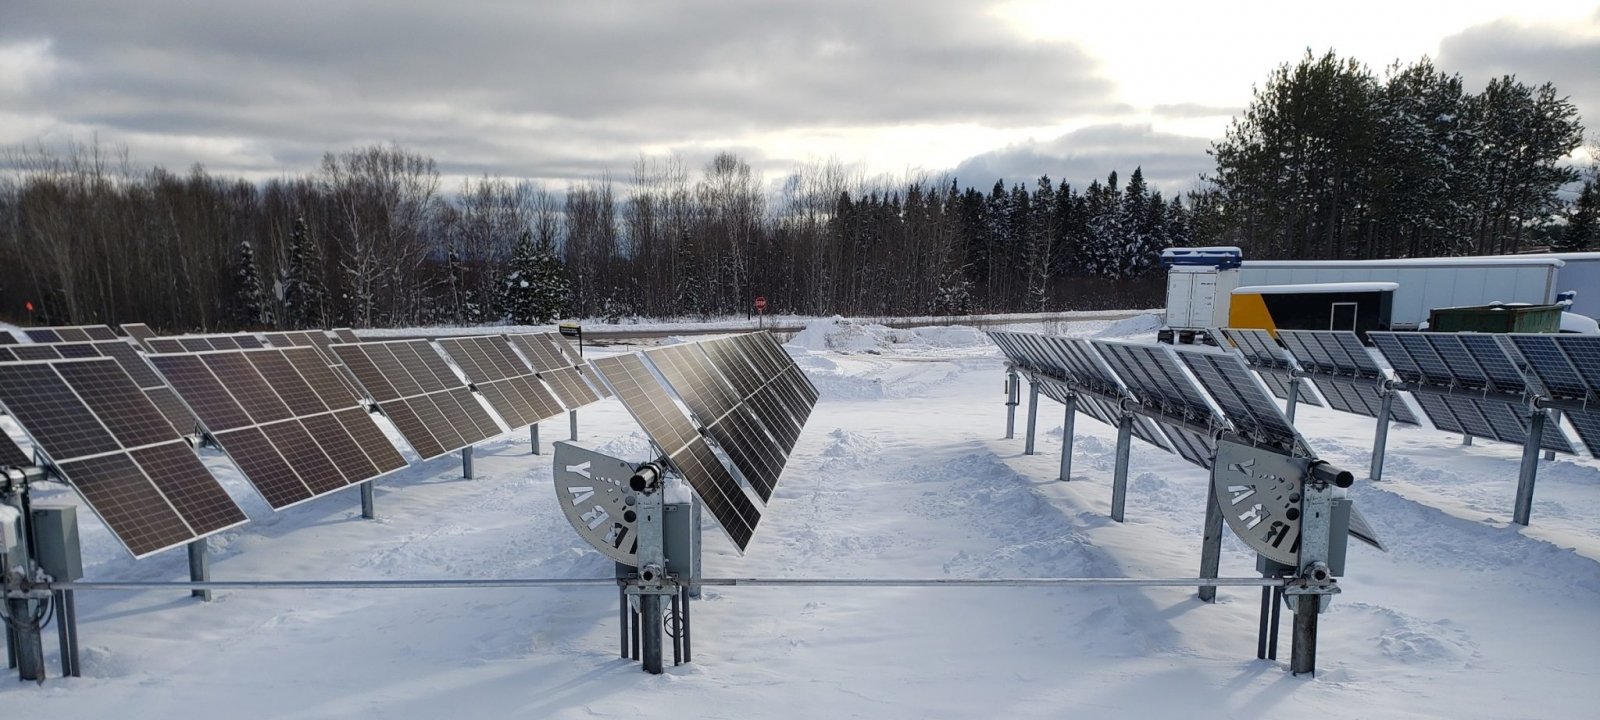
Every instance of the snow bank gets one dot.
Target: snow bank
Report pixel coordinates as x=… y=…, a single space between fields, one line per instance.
x=840 y=334
x=1138 y=325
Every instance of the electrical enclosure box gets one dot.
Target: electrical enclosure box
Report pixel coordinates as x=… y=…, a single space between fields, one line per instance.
x=679 y=520
x=55 y=534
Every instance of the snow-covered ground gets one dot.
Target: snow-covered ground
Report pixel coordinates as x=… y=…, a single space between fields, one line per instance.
x=901 y=472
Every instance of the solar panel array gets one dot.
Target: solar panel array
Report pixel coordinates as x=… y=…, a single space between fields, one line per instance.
x=152 y=384
x=510 y=387
x=1243 y=399
x=105 y=438
x=1344 y=372
x=1567 y=369
x=744 y=392
x=679 y=441
x=283 y=418
x=1466 y=383
x=560 y=367
x=1274 y=364
x=418 y=391
x=202 y=343
x=751 y=403
x=70 y=333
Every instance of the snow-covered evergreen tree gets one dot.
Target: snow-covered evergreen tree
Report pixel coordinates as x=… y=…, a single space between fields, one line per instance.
x=300 y=285
x=535 y=290
x=1583 y=223
x=248 y=307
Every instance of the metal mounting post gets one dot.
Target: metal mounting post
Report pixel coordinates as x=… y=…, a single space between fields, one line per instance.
x=1555 y=417
x=572 y=421
x=1011 y=402
x=1066 y=437
x=1033 y=416
x=466 y=462
x=1313 y=588
x=1530 y=467
x=199 y=567
x=1211 y=543
x=26 y=646
x=1293 y=402
x=369 y=510
x=1380 y=438
x=533 y=437
x=1119 y=481
x=1465 y=440
x=67 y=631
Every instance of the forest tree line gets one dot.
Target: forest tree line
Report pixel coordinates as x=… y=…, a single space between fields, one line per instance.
x=1329 y=161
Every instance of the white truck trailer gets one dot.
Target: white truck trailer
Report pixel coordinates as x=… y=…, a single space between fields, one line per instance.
x=1200 y=282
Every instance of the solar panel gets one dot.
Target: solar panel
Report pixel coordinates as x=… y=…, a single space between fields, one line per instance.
x=35 y=352
x=138 y=332
x=415 y=387
x=70 y=333
x=1587 y=425
x=760 y=457
x=1154 y=377
x=6 y=338
x=676 y=437
x=1191 y=446
x=164 y=345
x=510 y=387
x=10 y=454
x=1567 y=365
x=344 y=335
x=100 y=432
x=282 y=418
x=1243 y=399
x=1491 y=357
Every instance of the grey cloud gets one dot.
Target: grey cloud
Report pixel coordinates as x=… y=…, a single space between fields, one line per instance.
x=584 y=81
x=1194 y=110
x=1568 y=57
x=1171 y=162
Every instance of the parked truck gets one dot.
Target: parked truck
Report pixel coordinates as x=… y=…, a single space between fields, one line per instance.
x=1201 y=281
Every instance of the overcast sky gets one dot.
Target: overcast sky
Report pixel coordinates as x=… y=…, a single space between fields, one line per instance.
x=563 y=91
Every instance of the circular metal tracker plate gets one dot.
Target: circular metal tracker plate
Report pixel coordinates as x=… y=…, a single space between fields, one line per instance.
x=1259 y=491
x=592 y=491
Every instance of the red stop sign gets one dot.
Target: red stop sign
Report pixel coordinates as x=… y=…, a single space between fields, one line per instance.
x=761 y=303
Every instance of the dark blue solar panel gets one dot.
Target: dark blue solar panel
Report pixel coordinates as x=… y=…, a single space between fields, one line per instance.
x=1360 y=357
x=1463 y=367
x=1550 y=365
x=1308 y=352
x=1434 y=370
x=1471 y=418
x=1584 y=353
x=1190 y=446
x=1442 y=416
x=1588 y=427
x=1499 y=368
x=1404 y=367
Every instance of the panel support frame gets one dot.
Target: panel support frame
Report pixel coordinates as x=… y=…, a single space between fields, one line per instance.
x=1067 y=430
x=199 y=567
x=1119 y=481
x=1033 y=416
x=1522 y=509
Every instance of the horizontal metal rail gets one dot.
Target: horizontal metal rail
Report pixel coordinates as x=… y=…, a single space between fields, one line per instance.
x=712 y=582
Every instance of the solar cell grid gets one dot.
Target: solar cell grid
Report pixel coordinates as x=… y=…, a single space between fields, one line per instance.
x=197 y=496
x=42 y=335
x=1463 y=368
x=1434 y=370
x=195 y=344
x=1242 y=399
x=10 y=454
x=6 y=355
x=1360 y=357
x=345 y=335
x=1493 y=360
x=36 y=352
x=1309 y=353
x=282 y=377
x=6 y=338
x=47 y=408
x=173 y=409
x=304 y=456
x=383 y=356
x=1469 y=415
x=1190 y=446
x=1404 y=367
x=380 y=452
x=165 y=345
x=1550 y=365
x=261 y=463
x=138 y=332
x=1587 y=425
x=1583 y=351
x=247 y=387
x=366 y=372
x=117 y=402
x=128 y=502
x=328 y=386
x=341 y=447
x=75 y=350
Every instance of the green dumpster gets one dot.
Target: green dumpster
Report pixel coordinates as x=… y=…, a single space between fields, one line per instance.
x=1496 y=319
